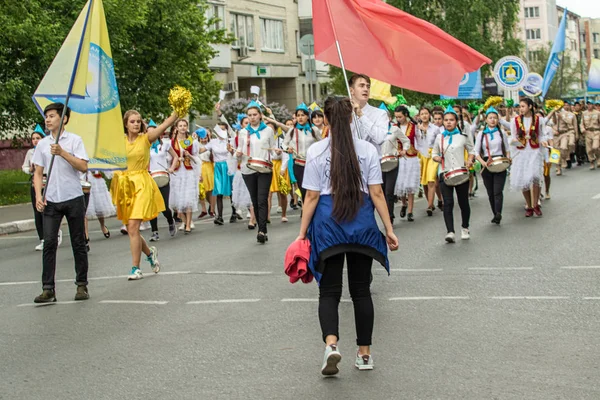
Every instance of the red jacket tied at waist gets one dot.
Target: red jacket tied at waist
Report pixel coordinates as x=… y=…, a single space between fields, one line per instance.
x=296 y=262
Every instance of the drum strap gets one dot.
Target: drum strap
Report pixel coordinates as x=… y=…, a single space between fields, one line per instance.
x=487 y=145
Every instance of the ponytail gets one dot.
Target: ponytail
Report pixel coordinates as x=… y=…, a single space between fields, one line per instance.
x=345 y=175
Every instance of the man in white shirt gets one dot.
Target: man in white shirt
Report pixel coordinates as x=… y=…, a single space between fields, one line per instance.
x=63 y=198
x=372 y=121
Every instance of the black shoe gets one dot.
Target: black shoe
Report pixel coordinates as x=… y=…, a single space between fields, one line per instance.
x=410 y=217
x=261 y=238
x=82 y=293
x=233 y=219
x=251 y=227
x=403 y=211
x=238 y=216
x=569 y=164
x=87 y=244
x=441 y=205
x=219 y=221
x=498 y=218
x=178 y=220
x=47 y=296
x=430 y=211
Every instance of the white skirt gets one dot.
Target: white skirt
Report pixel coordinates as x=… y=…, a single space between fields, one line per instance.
x=241 y=196
x=184 y=191
x=527 y=167
x=409 y=176
x=100 y=204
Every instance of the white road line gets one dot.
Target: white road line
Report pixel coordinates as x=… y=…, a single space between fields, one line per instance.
x=223 y=301
x=299 y=300
x=582 y=267
x=529 y=297
x=159 y=303
x=500 y=269
x=58 y=303
x=416 y=269
x=238 y=272
x=596 y=197
x=591 y=298
x=429 y=298
x=97 y=278
x=17 y=237
x=18 y=283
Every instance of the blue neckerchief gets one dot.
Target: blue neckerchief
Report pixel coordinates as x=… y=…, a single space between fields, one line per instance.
x=450 y=134
x=155 y=146
x=256 y=132
x=306 y=128
x=488 y=131
x=389 y=128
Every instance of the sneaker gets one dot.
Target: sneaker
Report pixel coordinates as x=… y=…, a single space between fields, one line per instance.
x=279 y=210
x=331 y=359
x=153 y=259
x=192 y=226
x=238 y=212
x=261 y=238
x=465 y=234
x=145 y=226
x=529 y=212
x=40 y=247
x=248 y=215
x=60 y=235
x=124 y=230
x=154 y=237
x=212 y=214
x=182 y=226
x=87 y=245
x=47 y=296
x=537 y=210
x=219 y=221
x=202 y=215
x=135 y=274
x=82 y=293
x=403 y=211
x=363 y=363
x=450 y=237
x=410 y=217
x=284 y=219
x=172 y=229
x=430 y=211
x=497 y=218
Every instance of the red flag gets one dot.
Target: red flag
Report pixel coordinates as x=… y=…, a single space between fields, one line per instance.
x=391 y=45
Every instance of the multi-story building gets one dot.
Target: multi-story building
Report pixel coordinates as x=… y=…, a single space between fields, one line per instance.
x=538 y=23
x=573 y=43
x=266 y=52
x=590 y=39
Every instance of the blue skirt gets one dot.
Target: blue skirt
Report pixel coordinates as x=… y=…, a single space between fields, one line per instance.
x=291 y=169
x=328 y=237
x=223 y=183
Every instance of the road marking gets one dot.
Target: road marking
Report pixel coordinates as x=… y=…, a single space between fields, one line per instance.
x=416 y=269
x=58 y=303
x=158 y=303
x=299 y=300
x=238 y=272
x=591 y=298
x=97 y=278
x=500 y=269
x=17 y=237
x=596 y=197
x=18 y=283
x=529 y=297
x=223 y=301
x=429 y=298
x=582 y=267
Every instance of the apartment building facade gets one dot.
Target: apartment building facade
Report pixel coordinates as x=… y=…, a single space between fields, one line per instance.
x=590 y=39
x=538 y=23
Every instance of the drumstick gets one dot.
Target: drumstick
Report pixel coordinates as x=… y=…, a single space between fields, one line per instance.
x=166 y=169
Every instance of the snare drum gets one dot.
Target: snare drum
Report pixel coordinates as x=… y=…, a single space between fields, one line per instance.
x=260 y=165
x=498 y=164
x=86 y=186
x=456 y=177
x=161 y=178
x=389 y=162
x=300 y=161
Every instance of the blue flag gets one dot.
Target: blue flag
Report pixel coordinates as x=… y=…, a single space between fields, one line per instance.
x=469 y=87
x=553 y=60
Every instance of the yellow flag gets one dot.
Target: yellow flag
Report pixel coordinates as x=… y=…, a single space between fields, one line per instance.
x=381 y=91
x=84 y=65
x=314 y=106
x=554 y=155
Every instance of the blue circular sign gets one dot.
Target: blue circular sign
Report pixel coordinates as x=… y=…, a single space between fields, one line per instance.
x=510 y=72
x=532 y=86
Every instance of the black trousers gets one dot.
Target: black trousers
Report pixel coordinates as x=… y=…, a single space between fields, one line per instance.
x=462 y=194
x=330 y=292
x=389 y=184
x=38 y=216
x=299 y=174
x=259 y=185
x=494 y=184
x=74 y=211
x=164 y=191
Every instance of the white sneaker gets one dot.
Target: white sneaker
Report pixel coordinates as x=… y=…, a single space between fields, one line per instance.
x=450 y=237
x=248 y=216
x=145 y=226
x=279 y=210
x=135 y=274
x=464 y=234
x=239 y=213
x=59 y=237
x=40 y=247
x=182 y=226
x=363 y=363
x=331 y=360
x=153 y=259
x=192 y=226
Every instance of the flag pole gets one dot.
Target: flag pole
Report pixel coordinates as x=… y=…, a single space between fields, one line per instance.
x=67 y=97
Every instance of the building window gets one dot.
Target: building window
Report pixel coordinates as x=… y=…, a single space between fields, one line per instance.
x=242 y=27
x=532 y=12
x=215 y=11
x=596 y=37
x=298 y=52
x=584 y=51
x=583 y=37
x=596 y=53
x=534 y=34
x=272 y=34
x=534 y=56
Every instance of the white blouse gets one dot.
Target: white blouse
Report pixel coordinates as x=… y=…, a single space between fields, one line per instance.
x=527 y=121
x=218 y=147
x=495 y=145
x=27 y=162
x=159 y=161
x=452 y=154
x=301 y=140
x=429 y=138
x=250 y=146
x=390 y=144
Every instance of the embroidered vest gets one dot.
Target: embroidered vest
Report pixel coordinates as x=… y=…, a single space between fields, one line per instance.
x=534 y=132
x=410 y=134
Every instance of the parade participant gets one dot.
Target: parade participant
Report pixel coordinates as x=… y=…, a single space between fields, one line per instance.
x=549 y=134
x=135 y=193
x=255 y=142
x=184 y=182
x=343 y=183
x=580 y=149
x=590 y=129
x=449 y=150
x=390 y=153
x=241 y=196
x=298 y=140
x=567 y=136
x=317 y=119
x=62 y=197
x=220 y=150
x=98 y=202
x=207 y=175
x=280 y=166
x=289 y=123
x=159 y=169
x=409 y=166
x=438 y=122
x=429 y=167
x=372 y=121
x=492 y=142
x=526 y=171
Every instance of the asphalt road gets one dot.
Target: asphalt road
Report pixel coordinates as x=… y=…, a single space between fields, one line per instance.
x=511 y=314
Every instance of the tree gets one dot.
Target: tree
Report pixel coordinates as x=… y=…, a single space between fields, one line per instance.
x=487 y=26
x=567 y=81
x=155 y=44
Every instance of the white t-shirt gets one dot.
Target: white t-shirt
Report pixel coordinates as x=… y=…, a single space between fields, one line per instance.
x=64 y=183
x=218 y=147
x=159 y=161
x=373 y=126
x=318 y=163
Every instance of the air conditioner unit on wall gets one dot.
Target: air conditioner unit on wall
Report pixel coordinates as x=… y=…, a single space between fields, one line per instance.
x=243 y=52
x=231 y=86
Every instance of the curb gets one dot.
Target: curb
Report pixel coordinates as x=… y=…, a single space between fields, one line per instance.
x=27 y=225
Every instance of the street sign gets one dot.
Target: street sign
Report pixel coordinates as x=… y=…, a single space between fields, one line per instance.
x=307 y=45
x=532 y=86
x=510 y=72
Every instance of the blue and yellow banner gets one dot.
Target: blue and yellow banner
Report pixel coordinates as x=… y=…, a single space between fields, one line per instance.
x=553 y=59
x=469 y=87
x=84 y=67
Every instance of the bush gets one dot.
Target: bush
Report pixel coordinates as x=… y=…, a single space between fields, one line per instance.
x=14 y=187
x=238 y=106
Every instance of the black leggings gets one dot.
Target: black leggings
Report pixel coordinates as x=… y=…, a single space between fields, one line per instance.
x=330 y=292
x=220 y=205
x=462 y=194
x=389 y=184
x=38 y=216
x=259 y=186
x=164 y=191
x=299 y=174
x=494 y=184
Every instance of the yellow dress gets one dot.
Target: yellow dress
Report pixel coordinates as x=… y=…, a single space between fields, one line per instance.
x=134 y=192
x=208 y=176
x=429 y=169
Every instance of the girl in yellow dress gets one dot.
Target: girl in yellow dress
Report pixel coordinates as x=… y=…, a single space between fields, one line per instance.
x=134 y=192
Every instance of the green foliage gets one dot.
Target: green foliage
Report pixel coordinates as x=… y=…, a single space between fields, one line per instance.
x=156 y=44
x=14 y=187
x=567 y=80
x=487 y=26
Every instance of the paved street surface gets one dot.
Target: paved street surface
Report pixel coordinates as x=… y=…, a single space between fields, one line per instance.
x=513 y=313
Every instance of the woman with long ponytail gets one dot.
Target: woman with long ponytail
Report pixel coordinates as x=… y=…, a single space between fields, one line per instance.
x=343 y=182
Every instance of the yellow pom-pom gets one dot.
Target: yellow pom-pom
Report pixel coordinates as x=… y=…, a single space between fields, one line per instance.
x=202 y=191
x=180 y=100
x=492 y=102
x=554 y=104
x=284 y=186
